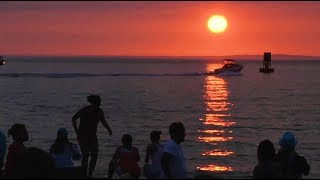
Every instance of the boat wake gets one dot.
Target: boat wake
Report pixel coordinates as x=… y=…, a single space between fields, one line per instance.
x=79 y=75
x=229 y=73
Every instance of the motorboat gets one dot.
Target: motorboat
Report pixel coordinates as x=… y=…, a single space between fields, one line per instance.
x=230 y=65
x=2 y=62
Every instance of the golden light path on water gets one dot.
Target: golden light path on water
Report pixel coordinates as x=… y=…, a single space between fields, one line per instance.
x=215 y=120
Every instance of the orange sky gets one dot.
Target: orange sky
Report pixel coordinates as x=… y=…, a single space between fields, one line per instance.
x=157 y=28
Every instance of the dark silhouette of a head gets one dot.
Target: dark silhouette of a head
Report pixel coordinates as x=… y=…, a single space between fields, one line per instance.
x=288 y=141
x=94 y=100
x=62 y=133
x=177 y=132
x=18 y=132
x=266 y=151
x=155 y=136
x=127 y=139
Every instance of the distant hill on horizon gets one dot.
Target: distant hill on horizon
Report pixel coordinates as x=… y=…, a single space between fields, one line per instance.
x=274 y=57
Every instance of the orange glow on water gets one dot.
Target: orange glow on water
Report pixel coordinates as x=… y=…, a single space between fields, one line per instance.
x=214 y=168
x=214 y=139
x=212 y=115
x=212 y=131
x=224 y=124
x=216 y=117
x=217 y=152
x=218 y=106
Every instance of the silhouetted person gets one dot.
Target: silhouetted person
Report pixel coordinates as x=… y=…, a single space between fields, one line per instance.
x=266 y=167
x=89 y=116
x=63 y=151
x=125 y=159
x=173 y=161
x=155 y=152
x=33 y=163
x=19 y=134
x=3 y=148
x=292 y=164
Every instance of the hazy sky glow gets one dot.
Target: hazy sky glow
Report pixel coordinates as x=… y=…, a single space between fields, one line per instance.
x=158 y=28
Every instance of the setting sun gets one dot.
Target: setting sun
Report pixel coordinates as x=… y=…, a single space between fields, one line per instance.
x=217 y=24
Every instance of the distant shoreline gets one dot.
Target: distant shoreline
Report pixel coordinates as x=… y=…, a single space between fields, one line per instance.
x=184 y=58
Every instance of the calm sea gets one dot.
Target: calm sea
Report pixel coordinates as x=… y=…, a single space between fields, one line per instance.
x=225 y=116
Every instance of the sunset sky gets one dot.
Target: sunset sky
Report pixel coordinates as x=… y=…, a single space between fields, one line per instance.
x=155 y=28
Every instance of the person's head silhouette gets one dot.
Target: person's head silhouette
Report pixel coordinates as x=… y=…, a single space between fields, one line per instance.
x=19 y=133
x=266 y=151
x=95 y=100
x=127 y=140
x=288 y=141
x=177 y=132
x=155 y=136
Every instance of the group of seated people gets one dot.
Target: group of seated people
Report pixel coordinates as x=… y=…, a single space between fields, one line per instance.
x=24 y=162
x=34 y=162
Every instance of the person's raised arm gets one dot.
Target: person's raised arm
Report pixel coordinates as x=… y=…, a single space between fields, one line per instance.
x=104 y=122
x=165 y=164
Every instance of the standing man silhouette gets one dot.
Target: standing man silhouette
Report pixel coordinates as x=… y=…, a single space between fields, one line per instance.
x=89 y=116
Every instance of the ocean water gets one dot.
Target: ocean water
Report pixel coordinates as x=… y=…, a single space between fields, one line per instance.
x=225 y=116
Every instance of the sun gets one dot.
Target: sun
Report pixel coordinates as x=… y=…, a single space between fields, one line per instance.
x=217 y=24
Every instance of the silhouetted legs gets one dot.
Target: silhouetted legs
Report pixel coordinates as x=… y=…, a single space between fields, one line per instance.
x=93 y=161
x=89 y=148
x=84 y=161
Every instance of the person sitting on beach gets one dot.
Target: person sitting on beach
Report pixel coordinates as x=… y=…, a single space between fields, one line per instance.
x=63 y=151
x=125 y=159
x=33 y=163
x=266 y=167
x=173 y=162
x=155 y=152
x=19 y=134
x=3 y=148
x=292 y=164
x=89 y=116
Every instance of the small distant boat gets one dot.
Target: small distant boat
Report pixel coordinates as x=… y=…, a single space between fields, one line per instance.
x=2 y=62
x=230 y=65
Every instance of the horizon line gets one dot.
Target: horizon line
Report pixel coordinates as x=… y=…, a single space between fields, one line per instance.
x=174 y=56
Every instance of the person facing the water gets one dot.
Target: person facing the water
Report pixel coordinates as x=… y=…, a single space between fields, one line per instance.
x=293 y=165
x=173 y=161
x=155 y=152
x=63 y=151
x=266 y=167
x=89 y=116
x=19 y=134
x=125 y=160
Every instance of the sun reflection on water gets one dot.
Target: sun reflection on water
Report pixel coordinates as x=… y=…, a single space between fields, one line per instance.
x=216 y=119
x=214 y=168
x=217 y=152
